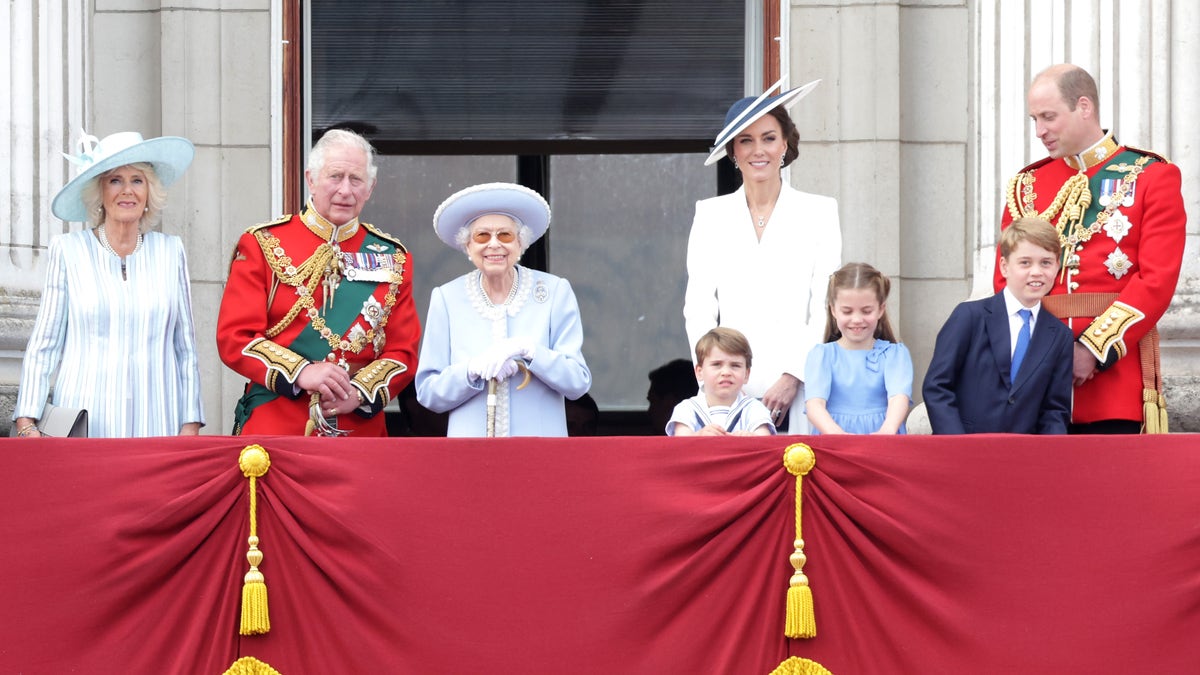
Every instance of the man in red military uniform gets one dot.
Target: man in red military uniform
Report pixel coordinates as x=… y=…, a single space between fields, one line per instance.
x=1119 y=212
x=318 y=311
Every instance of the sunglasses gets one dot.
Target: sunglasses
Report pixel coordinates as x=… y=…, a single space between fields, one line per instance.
x=505 y=236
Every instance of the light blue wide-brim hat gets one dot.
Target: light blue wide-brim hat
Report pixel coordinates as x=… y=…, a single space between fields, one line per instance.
x=748 y=110
x=169 y=155
x=518 y=202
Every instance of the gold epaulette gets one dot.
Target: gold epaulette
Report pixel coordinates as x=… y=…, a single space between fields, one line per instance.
x=278 y=221
x=385 y=236
x=1148 y=153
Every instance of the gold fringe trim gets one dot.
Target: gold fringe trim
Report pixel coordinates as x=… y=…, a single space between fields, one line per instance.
x=254 y=463
x=248 y=665
x=798 y=666
x=800 y=619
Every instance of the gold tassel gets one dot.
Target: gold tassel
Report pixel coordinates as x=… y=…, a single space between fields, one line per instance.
x=800 y=619
x=798 y=666
x=1154 y=412
x=254 y=462
x=248 y=665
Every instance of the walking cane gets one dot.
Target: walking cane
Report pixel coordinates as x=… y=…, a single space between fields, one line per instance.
x=491 y=398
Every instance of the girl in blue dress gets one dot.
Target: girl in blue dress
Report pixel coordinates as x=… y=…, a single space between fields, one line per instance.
x=859 y=381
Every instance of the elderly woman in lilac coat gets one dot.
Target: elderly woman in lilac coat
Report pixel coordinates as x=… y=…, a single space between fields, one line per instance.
x=501 y=322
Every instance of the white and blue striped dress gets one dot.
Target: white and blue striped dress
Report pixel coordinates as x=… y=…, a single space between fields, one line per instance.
x=125 y=350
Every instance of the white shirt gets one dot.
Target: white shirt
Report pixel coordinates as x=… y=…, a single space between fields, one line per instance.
x=1013 y=306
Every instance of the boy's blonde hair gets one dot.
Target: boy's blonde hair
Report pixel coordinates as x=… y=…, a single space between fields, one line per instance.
x=1037 y=231
x=728 y=340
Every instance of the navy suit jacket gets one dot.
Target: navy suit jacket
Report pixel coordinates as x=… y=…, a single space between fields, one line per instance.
x=967 y=388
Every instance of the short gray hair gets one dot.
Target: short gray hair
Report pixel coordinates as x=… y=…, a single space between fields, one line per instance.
x=341 y=137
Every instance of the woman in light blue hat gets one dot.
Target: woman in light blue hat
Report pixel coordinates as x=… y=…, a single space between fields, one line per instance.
x=487 y=326
x=759 y=259
x=115 y=321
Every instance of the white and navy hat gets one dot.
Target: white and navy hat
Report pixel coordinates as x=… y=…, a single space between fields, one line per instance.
x=748 y=110
x=169 y=155
x=518 y=202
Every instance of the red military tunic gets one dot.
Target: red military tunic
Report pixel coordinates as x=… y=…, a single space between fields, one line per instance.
x=1129 y=243
x=293 y=298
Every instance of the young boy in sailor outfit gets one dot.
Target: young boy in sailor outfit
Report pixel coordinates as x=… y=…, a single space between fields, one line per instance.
x=721 y=408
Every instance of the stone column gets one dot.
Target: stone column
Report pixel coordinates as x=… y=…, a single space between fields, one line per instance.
x=888 y=133
x=46 y=43
x=192 y=68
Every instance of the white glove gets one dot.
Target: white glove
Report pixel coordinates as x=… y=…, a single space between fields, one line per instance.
x=519 y=347
x=504 y=369
x=495 y=362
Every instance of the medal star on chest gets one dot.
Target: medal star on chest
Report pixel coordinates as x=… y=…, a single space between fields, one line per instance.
x=1118 y=226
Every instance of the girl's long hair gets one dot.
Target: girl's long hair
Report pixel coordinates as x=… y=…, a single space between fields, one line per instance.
x=854 y=276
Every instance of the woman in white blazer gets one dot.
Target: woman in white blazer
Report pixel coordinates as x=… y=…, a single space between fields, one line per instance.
x=759 y=259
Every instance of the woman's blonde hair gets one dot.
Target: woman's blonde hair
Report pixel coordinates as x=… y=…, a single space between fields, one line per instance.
x=92 y=195
x=854 y=276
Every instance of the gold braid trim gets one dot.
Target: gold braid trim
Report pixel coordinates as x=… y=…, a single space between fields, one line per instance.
x=373 y=378
x=1107 y=331
x=1072 y=199
x=305 y=280
x=278 y=359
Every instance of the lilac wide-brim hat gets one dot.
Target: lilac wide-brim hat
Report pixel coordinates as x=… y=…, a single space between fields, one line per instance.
x=169 y=155
x=518 y=202
x=748 y=110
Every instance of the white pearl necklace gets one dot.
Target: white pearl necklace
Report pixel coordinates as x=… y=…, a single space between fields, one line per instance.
x=108 y=247
x=512 y=292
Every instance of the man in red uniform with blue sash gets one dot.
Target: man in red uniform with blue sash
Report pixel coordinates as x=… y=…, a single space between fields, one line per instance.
x=1121 y=222
x=318 y=311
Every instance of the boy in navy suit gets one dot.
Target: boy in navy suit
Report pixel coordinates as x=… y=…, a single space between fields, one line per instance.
x=1000 y=365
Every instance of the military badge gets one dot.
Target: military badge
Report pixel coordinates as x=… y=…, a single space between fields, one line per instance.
x=372 y=311
x=1117 y=226
x=1118 y=263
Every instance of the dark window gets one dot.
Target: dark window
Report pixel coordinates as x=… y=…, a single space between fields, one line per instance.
x=488 y=73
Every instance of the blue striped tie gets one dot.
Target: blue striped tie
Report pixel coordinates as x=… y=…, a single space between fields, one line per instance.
x=1022 y=344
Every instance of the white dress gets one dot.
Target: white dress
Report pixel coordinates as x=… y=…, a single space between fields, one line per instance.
x=124 y=349
x=461 y=325
x=771 y=290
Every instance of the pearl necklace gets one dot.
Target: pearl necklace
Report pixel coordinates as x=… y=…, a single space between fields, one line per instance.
x=108 y=247
x=512 y=292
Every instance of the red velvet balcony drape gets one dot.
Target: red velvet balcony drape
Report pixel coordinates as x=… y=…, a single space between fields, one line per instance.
x=989 y=554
